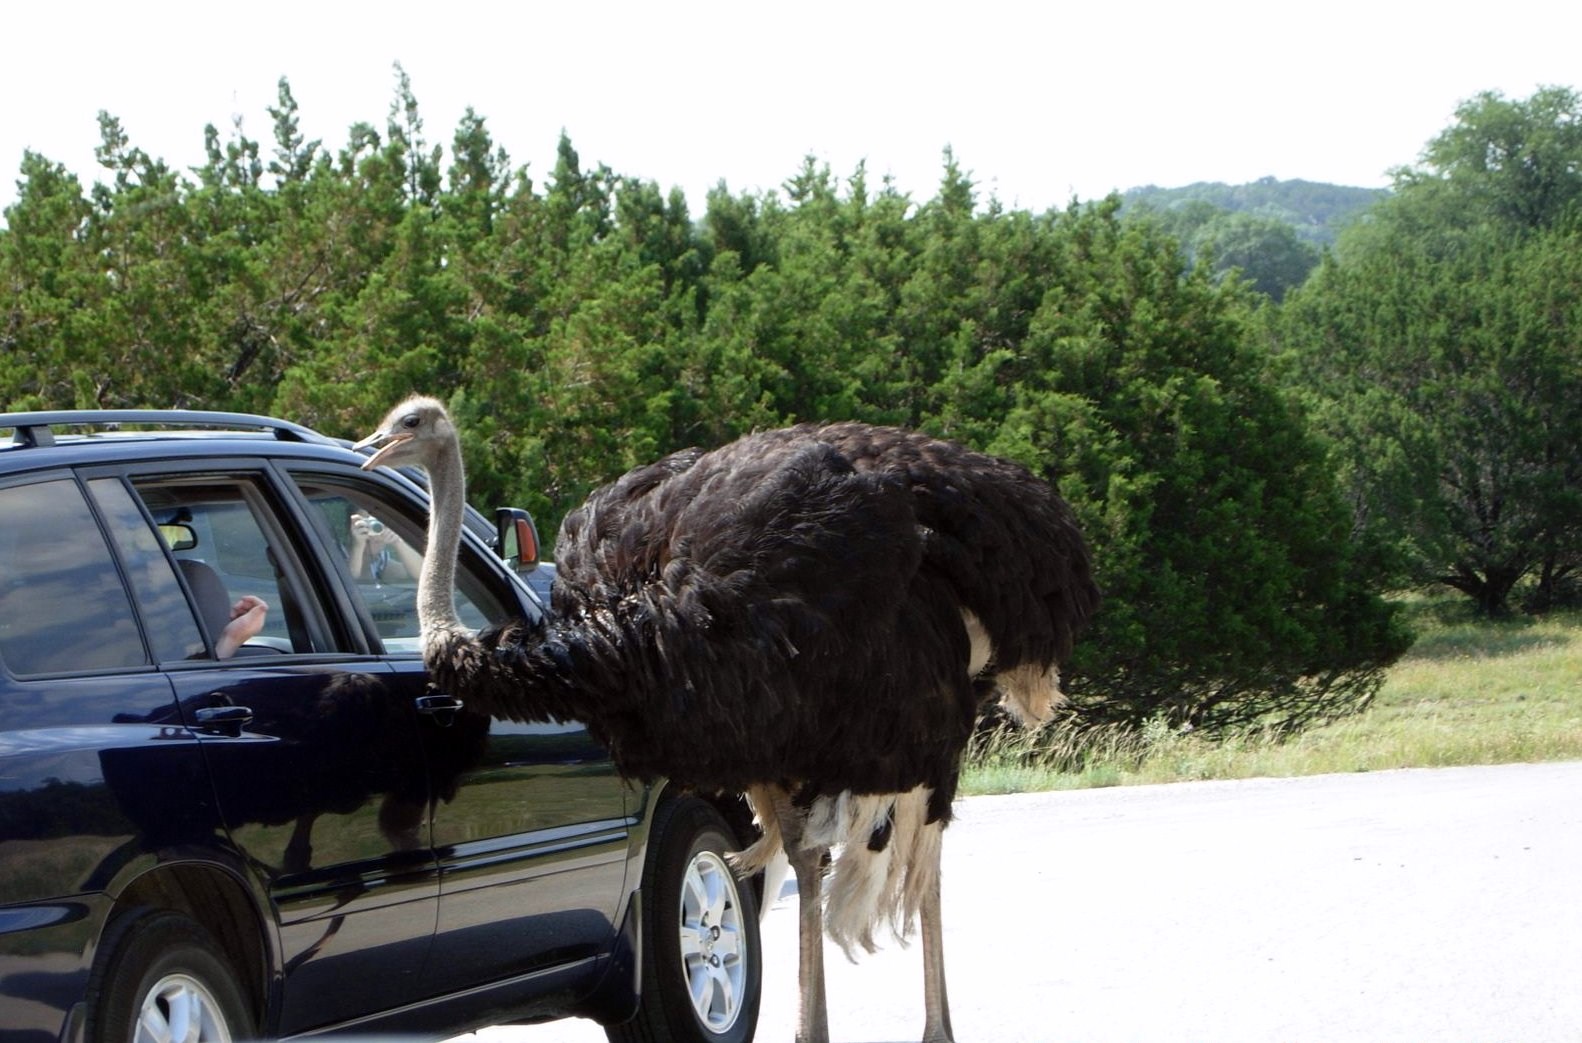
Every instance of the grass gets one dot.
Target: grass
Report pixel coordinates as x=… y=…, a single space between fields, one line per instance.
x=1469 y=691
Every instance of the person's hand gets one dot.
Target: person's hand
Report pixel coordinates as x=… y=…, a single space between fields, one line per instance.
x=371 y=532
x=247 y=619
x=249 y=612
x=360 y=531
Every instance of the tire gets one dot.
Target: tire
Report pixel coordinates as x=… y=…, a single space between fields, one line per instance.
x=165 y=978
x=702 y=961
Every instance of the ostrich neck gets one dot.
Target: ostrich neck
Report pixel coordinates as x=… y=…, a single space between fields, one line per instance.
x=436 y=589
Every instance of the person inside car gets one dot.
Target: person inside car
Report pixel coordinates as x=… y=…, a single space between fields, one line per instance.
x=375 y=548
x=247 y=619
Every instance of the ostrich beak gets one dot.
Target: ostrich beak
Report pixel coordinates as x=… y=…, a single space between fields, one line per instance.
x=387 y=442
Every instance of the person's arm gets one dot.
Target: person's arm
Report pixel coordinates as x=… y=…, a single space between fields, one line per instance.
x=358 y=553
x=366 y=543
x=247 y=619
x=409 y=558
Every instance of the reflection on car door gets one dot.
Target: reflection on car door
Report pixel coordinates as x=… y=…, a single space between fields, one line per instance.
x=87 y=768
x=532 y=846
x=529 y=821
x=316 y=762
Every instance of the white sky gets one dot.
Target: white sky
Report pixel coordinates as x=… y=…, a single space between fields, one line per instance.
x=1040 y=101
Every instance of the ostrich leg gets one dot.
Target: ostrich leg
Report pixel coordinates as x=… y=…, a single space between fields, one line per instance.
x=812 y=1010
x=808 y=865
x=936 y=1006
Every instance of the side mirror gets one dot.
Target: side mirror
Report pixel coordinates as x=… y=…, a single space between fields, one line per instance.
x=516 y=537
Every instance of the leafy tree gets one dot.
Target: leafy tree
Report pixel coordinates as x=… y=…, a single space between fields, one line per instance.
x=1266 y=251
x=479 y=177
x=373 y=264
x=1317 y=212
x=1514 y=163
x=1440 y=348
x=1233 y=595
x=589 y=324
x=140 y=240
x=405 y=133
x=48 y=285
x=1452 y=388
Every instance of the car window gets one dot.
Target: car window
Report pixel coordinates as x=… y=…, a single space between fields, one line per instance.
x=168 y=618
x=63 y=607
x=381 y=543
x=221 y=536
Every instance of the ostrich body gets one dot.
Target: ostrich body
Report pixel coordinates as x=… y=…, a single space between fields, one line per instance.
x=810 y=616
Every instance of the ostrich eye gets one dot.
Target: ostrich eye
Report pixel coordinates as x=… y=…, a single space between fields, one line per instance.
x=411 y=420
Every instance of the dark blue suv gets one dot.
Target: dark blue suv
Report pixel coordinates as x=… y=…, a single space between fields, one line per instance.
x=299 y=836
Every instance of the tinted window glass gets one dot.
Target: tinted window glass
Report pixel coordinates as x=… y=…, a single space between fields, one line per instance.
x=172 y=629
x=62 y=606
x=381 y=543
x=220 y=536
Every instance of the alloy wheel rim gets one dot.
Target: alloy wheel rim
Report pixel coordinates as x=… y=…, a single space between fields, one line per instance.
x=714 y=957
x=180 y=1009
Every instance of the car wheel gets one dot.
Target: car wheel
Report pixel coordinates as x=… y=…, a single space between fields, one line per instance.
x=165 y=979
x=702 y=962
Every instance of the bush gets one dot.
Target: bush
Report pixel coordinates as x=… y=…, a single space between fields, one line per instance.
x=1233 y=593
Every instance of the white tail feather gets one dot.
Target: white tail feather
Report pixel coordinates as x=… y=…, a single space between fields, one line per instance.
x=867 y=889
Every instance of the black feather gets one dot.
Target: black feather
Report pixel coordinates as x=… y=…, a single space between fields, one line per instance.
x=787 y=609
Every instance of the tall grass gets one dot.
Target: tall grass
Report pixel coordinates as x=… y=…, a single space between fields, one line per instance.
x=1470 y=691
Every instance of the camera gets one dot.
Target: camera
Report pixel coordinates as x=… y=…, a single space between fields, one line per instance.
x=375 y=526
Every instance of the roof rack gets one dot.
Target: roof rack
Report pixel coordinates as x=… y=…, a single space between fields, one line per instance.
x=36 y=429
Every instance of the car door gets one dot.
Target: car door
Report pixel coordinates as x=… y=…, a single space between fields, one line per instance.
x=529 y=822
x=317 y=767
x=92 y=790
x=91 y=783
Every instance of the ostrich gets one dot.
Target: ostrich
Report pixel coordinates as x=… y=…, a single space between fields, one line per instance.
x=812 y=617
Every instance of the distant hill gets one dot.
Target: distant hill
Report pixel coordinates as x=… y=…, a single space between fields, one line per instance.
x=1317 y=211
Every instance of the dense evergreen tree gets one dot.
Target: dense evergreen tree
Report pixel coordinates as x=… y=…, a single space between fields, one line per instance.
x=1440 y=347
x=50 y=289
x=589 y=324
x=1233 y=593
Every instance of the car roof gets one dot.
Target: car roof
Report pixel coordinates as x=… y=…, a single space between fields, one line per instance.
x=66 y=437
x=37 y=427
x=47 y=439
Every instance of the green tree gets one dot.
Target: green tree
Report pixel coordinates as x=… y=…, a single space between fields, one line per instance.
x=368 y=257
x=404 y=130
x=1453 y=388
x=1514 y=163
x=143 y=245
x=1266 y=252
x=590 y=324
x=1233 y=594
x=1439 y=348
x=49 y=290
x=294 y=155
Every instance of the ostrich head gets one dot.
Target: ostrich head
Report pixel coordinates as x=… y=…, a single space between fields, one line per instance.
x=418 y=432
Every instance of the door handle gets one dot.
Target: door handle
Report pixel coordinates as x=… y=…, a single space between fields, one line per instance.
x=443 y=708
x=224 y=720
